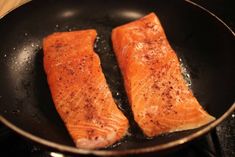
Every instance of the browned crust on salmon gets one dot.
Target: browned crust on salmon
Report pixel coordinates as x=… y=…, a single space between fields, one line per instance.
x=160 y=99
x=79 y=90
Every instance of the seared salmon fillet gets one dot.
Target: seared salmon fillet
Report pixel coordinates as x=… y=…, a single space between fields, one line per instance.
x=159 y=96
x=79 y=90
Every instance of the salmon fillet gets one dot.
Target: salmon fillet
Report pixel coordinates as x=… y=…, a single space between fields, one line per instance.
x=79 y=90
x=159 y=96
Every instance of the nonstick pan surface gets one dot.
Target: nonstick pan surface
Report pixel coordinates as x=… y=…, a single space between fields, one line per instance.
x=204 y=43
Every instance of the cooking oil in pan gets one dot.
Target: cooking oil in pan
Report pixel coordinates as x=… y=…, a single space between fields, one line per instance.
x=185 y=73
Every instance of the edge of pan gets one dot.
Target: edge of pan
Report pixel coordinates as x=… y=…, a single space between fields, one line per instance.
x=26 y=1
x=69 y=149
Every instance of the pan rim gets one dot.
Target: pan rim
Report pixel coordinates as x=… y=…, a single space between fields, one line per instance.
x=19 y=5
x=70 y=149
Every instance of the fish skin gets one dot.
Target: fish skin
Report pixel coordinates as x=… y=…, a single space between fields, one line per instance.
x=79 y=90
x=160 y=99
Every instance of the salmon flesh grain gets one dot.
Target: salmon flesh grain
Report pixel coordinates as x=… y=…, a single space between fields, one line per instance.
x=159 y=96
x=79 y=90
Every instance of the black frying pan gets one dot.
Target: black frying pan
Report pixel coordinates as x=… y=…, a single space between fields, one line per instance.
x=203 y=42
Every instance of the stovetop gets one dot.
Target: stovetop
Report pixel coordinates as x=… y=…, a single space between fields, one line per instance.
x=220 y=142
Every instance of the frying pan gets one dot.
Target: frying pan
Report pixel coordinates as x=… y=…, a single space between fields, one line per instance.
x=204 y=43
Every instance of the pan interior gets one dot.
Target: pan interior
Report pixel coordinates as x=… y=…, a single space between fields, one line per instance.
x=205 y=46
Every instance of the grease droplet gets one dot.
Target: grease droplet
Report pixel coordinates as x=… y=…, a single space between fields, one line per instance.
x=185 y=73
x=97 y=38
